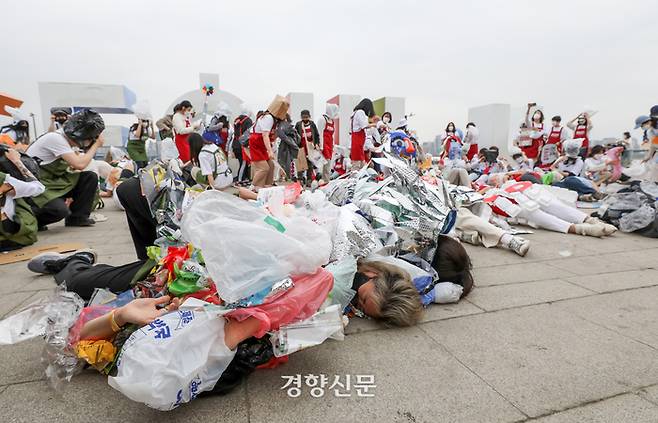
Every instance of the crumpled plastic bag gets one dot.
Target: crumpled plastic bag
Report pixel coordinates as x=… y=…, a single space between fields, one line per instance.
x=324 y=324
x=447 y=292
x=297 y=303
x=245 y=249
x=343 y=272
x=173 y=359
x=639 y=219
x=32 y=320
x=168 y=150
x=626 y=200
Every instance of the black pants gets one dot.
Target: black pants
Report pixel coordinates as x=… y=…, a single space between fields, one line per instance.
x=83 y=194
x=82 y=278
x=141 y=223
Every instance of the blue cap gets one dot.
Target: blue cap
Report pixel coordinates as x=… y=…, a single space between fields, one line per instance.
x=640 y=120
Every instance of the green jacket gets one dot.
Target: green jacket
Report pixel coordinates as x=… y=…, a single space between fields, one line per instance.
x=27 y=233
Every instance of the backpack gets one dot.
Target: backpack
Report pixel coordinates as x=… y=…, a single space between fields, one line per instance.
x=9 y=168
x=239 y=134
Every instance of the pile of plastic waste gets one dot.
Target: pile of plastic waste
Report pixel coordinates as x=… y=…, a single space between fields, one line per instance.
x=633 y=209
x=287 y=259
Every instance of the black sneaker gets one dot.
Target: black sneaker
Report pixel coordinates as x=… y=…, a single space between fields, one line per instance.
x=79 y=222
x=51 y=262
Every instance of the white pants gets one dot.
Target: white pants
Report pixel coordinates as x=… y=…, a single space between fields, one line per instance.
x=490 y=234
x=555 y=216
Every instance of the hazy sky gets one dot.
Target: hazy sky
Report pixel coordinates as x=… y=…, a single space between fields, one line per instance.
x=442 y=56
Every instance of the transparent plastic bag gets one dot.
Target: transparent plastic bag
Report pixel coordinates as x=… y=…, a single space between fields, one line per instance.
x=173 y=359
x=343 y=272
x=639 y=219
x=245 y=249
x=324 y=324
x=50 y=317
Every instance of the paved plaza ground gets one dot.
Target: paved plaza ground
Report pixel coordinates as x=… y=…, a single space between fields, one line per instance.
x=567 y=334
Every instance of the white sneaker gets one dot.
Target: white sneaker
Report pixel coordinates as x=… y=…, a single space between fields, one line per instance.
x=608 y=228
x=588 y=229
x=98 y=217
x=519 y=245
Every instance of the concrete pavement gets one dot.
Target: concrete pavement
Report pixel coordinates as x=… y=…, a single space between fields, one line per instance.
x=567 y=334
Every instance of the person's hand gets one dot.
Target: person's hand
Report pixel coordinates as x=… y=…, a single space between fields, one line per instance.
x=52 y=118
x=13 y=155
x=270 y=155
x=100 y=141
x=143 y=311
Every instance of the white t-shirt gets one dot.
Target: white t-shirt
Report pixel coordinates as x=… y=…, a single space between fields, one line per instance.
x=210 y=164
x=207 y=159
x=574 y=168
x=594 y=165
x=264 y=124
x=359 y=121
x=49 y=147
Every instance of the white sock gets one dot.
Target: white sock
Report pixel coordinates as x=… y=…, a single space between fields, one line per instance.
x=505 y=240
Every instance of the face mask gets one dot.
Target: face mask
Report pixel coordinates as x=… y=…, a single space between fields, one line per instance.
x=581 y=121
x=360 y=279
x=519 y=160
x=386 y=119
x=598 y=156
x=536 y=117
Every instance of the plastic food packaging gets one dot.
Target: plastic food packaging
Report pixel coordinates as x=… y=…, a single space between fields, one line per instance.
x=327 y=323
x=639 y=219
x=297 y=303
x=247 y=250
x=173 y=359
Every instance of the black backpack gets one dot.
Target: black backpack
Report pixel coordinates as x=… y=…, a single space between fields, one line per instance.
x=9 y=168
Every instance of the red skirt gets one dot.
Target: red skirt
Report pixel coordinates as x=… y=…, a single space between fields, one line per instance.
x=358 y=141
x=183 y=146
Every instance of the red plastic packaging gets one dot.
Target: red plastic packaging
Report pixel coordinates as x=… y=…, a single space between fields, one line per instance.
x=87 y=314
x=298 y=303
x=291 y=193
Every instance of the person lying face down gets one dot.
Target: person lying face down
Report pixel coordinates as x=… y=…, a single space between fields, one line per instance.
x=386 y=292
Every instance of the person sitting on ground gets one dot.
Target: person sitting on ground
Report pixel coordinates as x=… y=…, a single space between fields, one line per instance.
x=210 y=165
x=61 y=170
x=596 y=166
x=519 y=160
x=570 y=166
x=18 y=226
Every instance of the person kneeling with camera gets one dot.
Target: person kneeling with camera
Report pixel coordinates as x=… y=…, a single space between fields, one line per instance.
x=61 y=170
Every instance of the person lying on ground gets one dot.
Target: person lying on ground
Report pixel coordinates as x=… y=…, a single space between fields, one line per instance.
x=529 y=204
